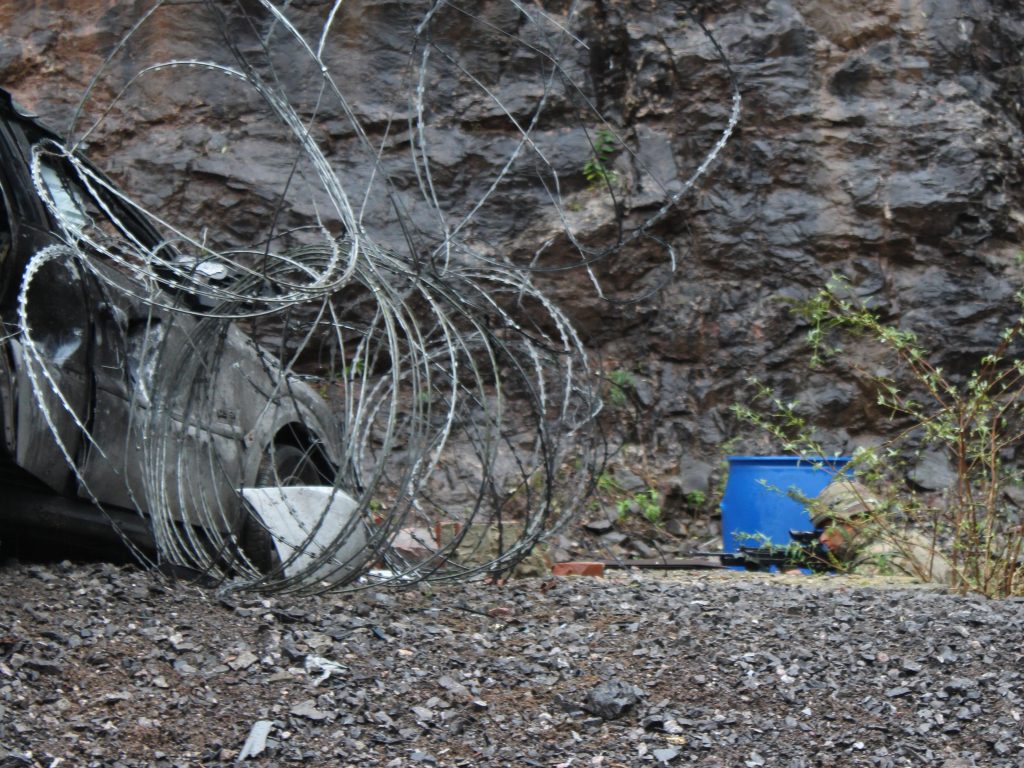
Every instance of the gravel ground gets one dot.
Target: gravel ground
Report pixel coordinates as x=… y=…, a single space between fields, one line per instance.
x=103 y=665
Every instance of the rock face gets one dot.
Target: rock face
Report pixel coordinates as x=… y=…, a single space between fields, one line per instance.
x=878 y=139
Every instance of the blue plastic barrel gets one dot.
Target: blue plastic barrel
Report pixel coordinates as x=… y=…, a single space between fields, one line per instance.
x=757 y=507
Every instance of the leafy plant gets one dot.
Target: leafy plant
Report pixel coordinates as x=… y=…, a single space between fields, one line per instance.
x=695 y=499
x=648 y=503
x=596 y=170
x=976 y=419
x=619 y=381
x=748 y=539
x=606 y=483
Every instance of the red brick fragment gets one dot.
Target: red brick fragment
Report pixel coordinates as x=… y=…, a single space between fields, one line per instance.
x=578 y=568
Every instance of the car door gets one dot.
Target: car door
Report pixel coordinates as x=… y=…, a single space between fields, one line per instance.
x=48 y=387
x=151 y=446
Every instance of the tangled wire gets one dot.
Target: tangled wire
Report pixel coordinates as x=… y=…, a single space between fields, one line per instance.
x=377 y=345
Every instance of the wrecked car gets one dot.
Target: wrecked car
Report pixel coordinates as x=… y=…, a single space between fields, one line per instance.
x=120 y=387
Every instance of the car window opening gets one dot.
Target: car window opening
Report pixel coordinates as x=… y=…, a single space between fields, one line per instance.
x=66 y=199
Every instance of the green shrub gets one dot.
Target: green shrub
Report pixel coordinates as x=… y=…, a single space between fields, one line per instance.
x=976 y=419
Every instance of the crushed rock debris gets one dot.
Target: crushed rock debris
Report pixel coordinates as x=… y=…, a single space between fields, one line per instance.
x=110 y=666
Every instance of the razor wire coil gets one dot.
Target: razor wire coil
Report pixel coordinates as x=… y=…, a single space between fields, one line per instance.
x=462 y=399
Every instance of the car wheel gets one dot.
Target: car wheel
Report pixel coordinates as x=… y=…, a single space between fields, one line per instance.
x=283 y=465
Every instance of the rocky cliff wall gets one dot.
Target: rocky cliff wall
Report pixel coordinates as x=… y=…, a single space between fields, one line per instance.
x=880 y=139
